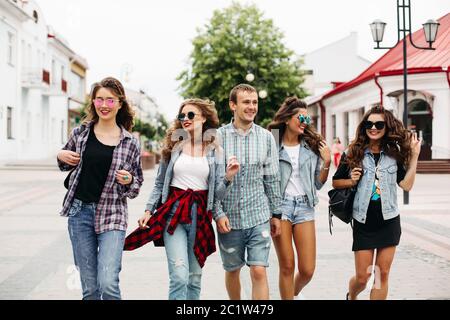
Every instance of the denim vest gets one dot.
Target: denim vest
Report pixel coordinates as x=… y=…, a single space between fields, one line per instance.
x=387 y=175
x=309 y=172
x=217 y=188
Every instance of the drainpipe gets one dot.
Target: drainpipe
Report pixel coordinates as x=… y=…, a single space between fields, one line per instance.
x=377 y=75
x=323 y=120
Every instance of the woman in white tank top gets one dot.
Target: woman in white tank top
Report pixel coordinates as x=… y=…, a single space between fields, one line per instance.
x=190 y=183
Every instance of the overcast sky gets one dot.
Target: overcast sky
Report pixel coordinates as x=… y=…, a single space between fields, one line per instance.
x=154 y=37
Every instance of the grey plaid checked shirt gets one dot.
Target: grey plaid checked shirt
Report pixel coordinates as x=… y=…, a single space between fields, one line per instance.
x=255 y=192
x=112 y=210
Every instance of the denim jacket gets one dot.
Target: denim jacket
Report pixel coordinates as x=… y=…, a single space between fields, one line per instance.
x=309 y=172
x=387 y=175
x=217 y=185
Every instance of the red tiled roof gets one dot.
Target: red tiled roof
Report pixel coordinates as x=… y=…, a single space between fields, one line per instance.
x=419 y=61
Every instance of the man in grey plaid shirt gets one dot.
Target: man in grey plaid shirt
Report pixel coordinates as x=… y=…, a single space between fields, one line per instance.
x=250 y=213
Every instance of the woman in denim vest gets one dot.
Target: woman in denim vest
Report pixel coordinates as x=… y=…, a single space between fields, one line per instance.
x=190 y=183
x=302 y=152
x=375 y=162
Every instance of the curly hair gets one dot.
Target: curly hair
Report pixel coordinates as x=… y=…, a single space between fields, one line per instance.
x=125 y=115
x=208 y=111
x=288 y=109
x=395 y=143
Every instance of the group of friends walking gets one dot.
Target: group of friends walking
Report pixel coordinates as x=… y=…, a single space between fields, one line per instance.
x=257 y=185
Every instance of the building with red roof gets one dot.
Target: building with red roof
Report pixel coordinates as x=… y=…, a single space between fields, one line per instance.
x=342 y=108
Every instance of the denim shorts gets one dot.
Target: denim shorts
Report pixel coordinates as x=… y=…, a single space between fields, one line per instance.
x=296 y=210
x=255 y=240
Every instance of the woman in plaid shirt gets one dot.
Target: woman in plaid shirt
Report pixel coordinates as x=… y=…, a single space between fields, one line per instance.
x=106 y=169
x=190 y=183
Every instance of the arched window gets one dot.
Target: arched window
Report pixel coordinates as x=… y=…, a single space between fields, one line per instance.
x=419 y=106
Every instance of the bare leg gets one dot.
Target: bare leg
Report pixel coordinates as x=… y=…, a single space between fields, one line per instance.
x=383 y=264
x=363 y=264
x=260 y=286
x=305 y=244
x=286 y=261
x=233 y=284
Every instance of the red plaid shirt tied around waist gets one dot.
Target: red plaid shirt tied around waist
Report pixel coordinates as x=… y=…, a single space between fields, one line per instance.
x=205 y=242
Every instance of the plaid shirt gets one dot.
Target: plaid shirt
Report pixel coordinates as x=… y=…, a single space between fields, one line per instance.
x=112 y=210
x=205 y=243
x=255 y=191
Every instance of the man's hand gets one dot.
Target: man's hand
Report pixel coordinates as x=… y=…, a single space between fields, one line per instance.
x=223 y=225
x=275 y=227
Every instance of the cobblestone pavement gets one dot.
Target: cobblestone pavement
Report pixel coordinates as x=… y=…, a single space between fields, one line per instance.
x=36 y=260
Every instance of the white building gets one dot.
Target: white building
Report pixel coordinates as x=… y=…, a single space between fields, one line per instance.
x=323 y=71
x=144 y=106
x=34 y=71
x=382 y=84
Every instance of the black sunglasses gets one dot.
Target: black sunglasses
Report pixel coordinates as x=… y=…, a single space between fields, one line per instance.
x=379 y=125
x=190 y=115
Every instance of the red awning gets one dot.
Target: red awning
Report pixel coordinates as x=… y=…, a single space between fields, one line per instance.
x=419 y=61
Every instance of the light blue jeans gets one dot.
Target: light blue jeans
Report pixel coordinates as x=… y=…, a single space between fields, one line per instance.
x=185 y=273
x=98 y=257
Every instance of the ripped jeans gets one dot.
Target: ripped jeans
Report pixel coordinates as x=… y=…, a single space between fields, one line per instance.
x=185 y=273
x=98 y=257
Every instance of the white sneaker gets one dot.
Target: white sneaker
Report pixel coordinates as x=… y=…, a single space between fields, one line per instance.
x=299 y=297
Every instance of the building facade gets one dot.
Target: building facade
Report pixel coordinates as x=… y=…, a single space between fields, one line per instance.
x=35 y=64
x=428 y=94
x=323 y=73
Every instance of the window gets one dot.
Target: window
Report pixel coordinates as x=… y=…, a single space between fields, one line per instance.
x=35 y=16
x=9 y=123
x=62 y=131
x=10 y=48
x=53 y=75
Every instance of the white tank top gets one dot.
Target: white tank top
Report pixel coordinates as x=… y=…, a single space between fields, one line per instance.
x=190 y=173
x=294 y=187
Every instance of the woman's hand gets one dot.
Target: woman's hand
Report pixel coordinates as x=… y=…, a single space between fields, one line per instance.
x=144 y=220
x=416 y=145
x=124 y=177
x=325 y=153
x=233 y=168
x=356 y=175
x=69 y=157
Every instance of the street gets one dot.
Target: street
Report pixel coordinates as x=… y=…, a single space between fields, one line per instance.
x=36 y=259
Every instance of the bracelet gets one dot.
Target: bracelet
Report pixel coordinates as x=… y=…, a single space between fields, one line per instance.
x=326 y=168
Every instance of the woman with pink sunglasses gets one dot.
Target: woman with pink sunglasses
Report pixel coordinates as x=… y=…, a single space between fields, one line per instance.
x=106 y=170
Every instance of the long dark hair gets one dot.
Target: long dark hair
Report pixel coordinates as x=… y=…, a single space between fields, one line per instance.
x=125 y=115
x=208 y=111
x=289 y=108
x=395 y=143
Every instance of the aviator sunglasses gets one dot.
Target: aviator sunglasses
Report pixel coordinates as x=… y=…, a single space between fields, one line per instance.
x=190 y=115
x=98 y=102
x=379 y=125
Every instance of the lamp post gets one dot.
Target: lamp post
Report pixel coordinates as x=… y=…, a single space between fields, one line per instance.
x=404 y=26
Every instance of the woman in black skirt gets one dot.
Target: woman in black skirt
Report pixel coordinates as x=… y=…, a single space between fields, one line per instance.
x=376 y=162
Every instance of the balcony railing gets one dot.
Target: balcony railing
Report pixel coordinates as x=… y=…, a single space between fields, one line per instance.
x=35 y=77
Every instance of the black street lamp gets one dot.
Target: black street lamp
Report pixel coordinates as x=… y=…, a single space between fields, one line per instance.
x=404 y=26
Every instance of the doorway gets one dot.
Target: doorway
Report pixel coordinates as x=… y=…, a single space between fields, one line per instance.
x=420 y=119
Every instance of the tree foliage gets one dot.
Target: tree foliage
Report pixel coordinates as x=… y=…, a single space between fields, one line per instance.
x=238 y=39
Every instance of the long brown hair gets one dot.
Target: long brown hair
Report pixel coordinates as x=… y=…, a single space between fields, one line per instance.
x=125 y=115
x=289 y=108
x=208 y=111
x=395 y=143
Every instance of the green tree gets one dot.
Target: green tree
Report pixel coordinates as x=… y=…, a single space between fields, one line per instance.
x=237 y=40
